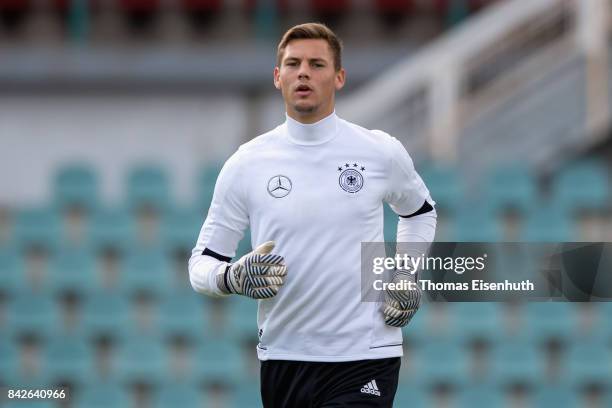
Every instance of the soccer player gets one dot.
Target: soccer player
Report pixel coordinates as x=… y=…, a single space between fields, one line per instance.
x=312 y=190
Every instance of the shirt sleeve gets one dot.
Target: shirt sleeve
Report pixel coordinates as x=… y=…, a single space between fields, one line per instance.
x=223 y=228
x=406 y=193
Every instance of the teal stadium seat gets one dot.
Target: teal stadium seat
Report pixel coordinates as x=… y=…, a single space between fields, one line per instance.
x=481 y=395
x=546 y=321
x=69 y=359
x=410 y=396
x=583 y=185
x=477 y=321
x=32 y=313
x=147 y=270
x=557 y=396
x=510 y=187
x=9 y=359
x=547 y=222
x=418 y=330
x=148 y=186
x=73 y=270
x=477 y=223
x=106 y=314
x=445 y=186
x=441 y=361
x=246 y=394
x=516 y=362
x=241 y=317
x=244 y=246
x=588 y=363
x=40 y=227
x=178 y=395
x=206 y=186
x=184 y=315
x=76 y=185
x=13 y=273
x=180 y=229
x=141 y=358
x=111 y=228
x=103 y=395
x=219 y=360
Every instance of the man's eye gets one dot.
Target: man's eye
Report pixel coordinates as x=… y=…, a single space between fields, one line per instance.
x=291 y=64
x=319 y=65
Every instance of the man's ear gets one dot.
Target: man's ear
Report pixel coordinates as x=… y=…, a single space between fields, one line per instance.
x=277 y=78
x=340 y=79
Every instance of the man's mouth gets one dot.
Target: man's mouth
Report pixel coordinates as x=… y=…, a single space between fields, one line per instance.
x=303 y=90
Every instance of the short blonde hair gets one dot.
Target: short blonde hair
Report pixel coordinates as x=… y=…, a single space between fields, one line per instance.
x=311 y=31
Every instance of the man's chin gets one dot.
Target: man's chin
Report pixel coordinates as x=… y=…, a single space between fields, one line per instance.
x=305 y=108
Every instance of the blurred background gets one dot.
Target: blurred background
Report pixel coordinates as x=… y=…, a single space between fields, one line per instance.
x=115 y=116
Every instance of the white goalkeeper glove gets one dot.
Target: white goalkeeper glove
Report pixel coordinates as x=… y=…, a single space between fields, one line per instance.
x=401 y=305
x=258 y=274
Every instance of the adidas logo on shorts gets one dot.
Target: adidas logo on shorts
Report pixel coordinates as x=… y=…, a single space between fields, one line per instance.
x=371 y=388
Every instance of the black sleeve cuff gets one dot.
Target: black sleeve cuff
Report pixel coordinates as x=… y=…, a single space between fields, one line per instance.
x=215 y=255
x=424 y=209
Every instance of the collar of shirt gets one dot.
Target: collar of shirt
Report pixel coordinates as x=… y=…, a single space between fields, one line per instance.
x=312 y=133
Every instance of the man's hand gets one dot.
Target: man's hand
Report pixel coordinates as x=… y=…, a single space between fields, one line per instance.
x=401 y=305
x=258 y=274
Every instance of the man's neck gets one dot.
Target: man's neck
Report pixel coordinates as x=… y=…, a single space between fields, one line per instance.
x=309 y=118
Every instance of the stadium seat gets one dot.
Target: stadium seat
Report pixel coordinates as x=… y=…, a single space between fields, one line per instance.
x=11 y=265
x=206 y=186
x=411 y=396
x=588 y=363
x=550 y=320
x=107 y=314
x=180 y=229
x=76 y=185
x=32 y=313
x=547 y=222
x=39 y=227
x=510 y=187
x=68 y=359
x=184 y=315
x=103 y=395
x=246 y=394
x=73 y=271
x=442 y=362
x=175 y=394
x=445 y=187
x=556 y=396
x=148 y=187
x=111 y=228
x=516 y=362
x=141 y=358
x=481 y=395
x=241 y=317
x=476 y=321
x=218 y=361
x=9 y=359
x=583 y=186
x=476 y=223
x=244 y=246
x=146 y=271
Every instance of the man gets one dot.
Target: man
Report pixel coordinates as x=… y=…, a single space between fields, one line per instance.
x=312 y=190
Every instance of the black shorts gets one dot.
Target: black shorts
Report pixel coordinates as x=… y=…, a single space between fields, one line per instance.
x=303 y=384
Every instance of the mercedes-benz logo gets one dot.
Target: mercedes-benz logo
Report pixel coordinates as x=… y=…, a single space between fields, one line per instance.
x=279 y=186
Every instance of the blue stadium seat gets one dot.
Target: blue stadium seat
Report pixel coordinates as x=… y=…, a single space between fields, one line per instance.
x=111 y=228
x=102 y=395
x=11 y=265
x=74 y=271
x=218 y=361
x=180 y=228
x=147 y=270
x=206 y=186
x=510 y=187
x=106 y=313
x=445 y=187
x=148 y=186
x=141 y=358
x=557 y=396
x=418 y=329
x=390 y=227
x=482 y=395
x=476 y=321
x=550 y=320
x=583 y=185
x=442 y=361
x=68 y=359
x=588 y=363
x=38 y=227
x=246 y=394
x=184 y=315
x=244 y=246
x=32 y=313
x=76 y=185
x=241 y=317
x=176 y=394
x=9 y=359
x=411 y=396
x=516 y=362
x=477 y=223
x=547 y=222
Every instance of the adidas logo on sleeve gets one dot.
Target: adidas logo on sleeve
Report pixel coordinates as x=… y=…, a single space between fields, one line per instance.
x=371 y=388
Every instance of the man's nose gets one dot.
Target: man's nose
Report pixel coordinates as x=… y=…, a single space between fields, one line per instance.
x=304 y=71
